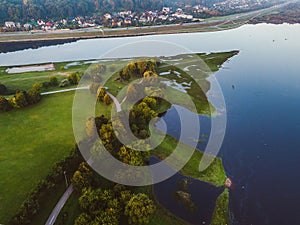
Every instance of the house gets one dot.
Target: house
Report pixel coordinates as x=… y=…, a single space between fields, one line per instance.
x=18 y=25
x=40 y=22
x=163 y=17
x=107 y=16
x=10 y=24
x=166 y=10
x=27 y=26
x=127 y=21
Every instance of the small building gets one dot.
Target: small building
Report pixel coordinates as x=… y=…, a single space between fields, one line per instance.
x=127 y=21
x=107 y=16
x=27 y=26
x=10 y=24
x=40 y=22
x=166 y=9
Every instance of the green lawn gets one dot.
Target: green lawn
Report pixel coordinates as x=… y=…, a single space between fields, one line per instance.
x=32 y=140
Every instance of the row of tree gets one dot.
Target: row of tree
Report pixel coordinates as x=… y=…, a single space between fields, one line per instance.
x=109 y=205
x=20 y=100
x=31 y=206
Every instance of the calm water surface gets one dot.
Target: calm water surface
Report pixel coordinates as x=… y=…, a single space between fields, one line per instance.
x=261 y=149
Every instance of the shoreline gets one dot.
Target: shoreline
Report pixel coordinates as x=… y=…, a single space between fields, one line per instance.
x=213 y=24
x=111 y=33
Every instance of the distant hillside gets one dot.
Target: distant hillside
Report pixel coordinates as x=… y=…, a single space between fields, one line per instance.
x=25 y=10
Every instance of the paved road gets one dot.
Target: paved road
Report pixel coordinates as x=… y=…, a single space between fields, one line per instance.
x=52 y=218
x=116 y=102
x=65 y=90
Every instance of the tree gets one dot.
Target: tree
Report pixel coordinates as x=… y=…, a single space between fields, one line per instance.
x=108 y=217
x=53 y=81
x=133 y=157
x=37 y=86
x=150 y=101
x=89 y=201
x=139 y=209
x=83 y=219
x=107 y=99
x=101 y=92
x=5 y=104
x=150 y=73
x=3 y=89
x=124 y=75
x=74 y=78
x=34 y=96
x=80 y=181
x=21 y=99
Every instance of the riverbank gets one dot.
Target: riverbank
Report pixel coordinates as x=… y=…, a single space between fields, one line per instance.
x=19 y=41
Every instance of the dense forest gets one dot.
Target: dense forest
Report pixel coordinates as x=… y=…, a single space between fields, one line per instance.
x=25 y=10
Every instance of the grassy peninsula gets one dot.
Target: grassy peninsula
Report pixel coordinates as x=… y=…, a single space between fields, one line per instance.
x=36 y=137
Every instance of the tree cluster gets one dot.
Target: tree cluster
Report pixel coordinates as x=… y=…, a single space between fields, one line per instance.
x=137 y=68
x=20 y=100
x=110 y=206
x=103 y=96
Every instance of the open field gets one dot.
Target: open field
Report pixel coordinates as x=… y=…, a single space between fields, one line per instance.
x=32 y=140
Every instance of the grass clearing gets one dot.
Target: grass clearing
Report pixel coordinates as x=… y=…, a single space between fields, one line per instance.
x=32 y=140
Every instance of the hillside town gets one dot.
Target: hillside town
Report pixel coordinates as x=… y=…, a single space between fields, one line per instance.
x=167 y=15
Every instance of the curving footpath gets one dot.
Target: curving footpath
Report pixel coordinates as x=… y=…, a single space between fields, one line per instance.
x=52 y=218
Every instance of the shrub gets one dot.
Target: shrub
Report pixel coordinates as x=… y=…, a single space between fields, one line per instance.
x=3 y=89
x=21 y=99
x=37 y=86
x=46 y=84
x=34 y=96
x=53 y=81
x=5 y=104
x=74 y=78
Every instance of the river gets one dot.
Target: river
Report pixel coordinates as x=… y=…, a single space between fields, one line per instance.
x=261 y=150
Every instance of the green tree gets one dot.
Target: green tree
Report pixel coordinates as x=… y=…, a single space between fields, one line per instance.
x=101 y=92
x=107 y=99
x=5 y=104
x=37 y=86
x=74 y=78
x=53 y=81
x=139 y=209
x=80 y=181
x=124 y=75
x=108 y=217
x=90 y=202
x=132 y=157
x=34 y=96
x=83 y=219
x=21 y=99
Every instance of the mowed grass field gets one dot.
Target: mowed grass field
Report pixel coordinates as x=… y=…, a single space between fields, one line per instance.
x=31 y=141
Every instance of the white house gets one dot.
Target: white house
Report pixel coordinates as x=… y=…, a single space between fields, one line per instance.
x=10 y=24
